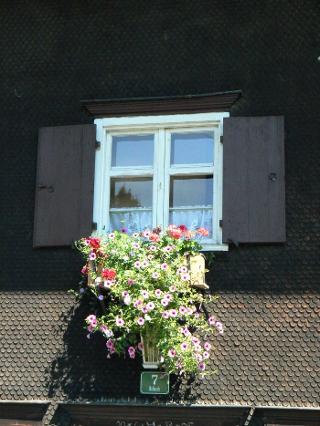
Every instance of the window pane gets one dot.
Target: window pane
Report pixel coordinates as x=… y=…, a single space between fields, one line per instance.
x=192 y=148
x=191 y=191
x=133 y=221
x=131 y=192
x=192 y=218
x=132 y=150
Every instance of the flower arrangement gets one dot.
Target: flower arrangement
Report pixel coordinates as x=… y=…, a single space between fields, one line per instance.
x=143 y=283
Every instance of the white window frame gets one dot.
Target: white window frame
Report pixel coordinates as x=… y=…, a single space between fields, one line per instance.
x=161 y=126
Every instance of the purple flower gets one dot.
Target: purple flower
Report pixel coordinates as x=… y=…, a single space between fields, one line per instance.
x=100 y=297
x=144 y=309
x=137 y=303
x=119 y=322
x=92 y=256
x=184 y=346
x=173 y=313
x=165 y=314
x=168 y=297
x=164 y=266
x=164 y=302
x=135 y=245
x=186 y=332
x=202 y=366
x=124 y=230
x=140 y=321
x=132 y=352
x=91 y=319
x=205 y=355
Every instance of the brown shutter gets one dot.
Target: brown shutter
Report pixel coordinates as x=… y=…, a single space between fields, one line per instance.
x=253 y=180
x=64 y=190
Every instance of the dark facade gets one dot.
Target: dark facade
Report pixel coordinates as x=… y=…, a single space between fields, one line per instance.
x=54 y=54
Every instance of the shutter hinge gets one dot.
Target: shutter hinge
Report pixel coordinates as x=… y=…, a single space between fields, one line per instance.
x=94 y=226
x=98 y=145
x=221 y=223
x=221 y=139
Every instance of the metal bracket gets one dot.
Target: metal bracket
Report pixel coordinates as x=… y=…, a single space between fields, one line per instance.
x=221 y=139
x=94 y=226
x=221 y=223
x=98 y=145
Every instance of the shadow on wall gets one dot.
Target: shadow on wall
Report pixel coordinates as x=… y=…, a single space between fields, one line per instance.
x=82 y=370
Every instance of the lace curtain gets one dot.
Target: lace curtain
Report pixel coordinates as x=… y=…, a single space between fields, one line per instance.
x=139 y=220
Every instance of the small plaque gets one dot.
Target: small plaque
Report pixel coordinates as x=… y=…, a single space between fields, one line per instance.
x=154 y=382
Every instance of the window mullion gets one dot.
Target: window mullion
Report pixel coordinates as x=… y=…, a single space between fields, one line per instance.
x=160 y=165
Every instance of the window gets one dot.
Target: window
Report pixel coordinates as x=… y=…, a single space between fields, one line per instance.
x=159 y=170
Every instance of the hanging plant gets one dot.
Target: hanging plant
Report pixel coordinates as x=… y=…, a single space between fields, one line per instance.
x=143 y=282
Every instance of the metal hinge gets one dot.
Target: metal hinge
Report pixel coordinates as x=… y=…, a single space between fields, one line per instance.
x=221 y=223
x=98 y=145
x=94 y=226
x=221 y=139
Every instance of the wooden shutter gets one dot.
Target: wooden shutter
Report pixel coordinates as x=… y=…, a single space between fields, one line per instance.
x=253 y=180
x=64 y=188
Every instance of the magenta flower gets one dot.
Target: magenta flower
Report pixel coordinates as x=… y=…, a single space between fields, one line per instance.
x=168 y=297
x=172 y=353
x=110 y=344
x=130 y=281
x=173 y=313
x=164 y=302
x=91 y=319
x=140 y=321
x=219 y=327
x=119 y=322
x=137 y=303
x=164 y=266
x=165 y=314
x=124 y=293
x=144 y=309
x=205 y=355
x=132 y=352
x=92 y=256
x=186 y=332
x=195 y=340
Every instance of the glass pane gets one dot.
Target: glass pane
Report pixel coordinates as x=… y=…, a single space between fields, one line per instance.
x=192 y=148
x=131 y=192
x=132 y=221
x=193 y=219
x=132 y=150
x=191 y=191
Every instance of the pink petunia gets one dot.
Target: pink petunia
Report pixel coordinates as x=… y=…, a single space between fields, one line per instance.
x=182 y=310
x=130 y=281
x=207 y=346
x=92 y=256
x=111 y=236
x=164 y=266
x=150 y=306
x=137 y=264
x=155 y=275
x=172 y=353
x=212 y=320
x=173 y=313
x=184 y=346
x=158 y=293
x=119 y=322
x=185 y=277
x=144 y=264
x=205 y=355
x=172 y=288
x=164 y=302
x=202 y=366
x=165 y=314
x=140 y=321
x=110 y=344
x=144 y=294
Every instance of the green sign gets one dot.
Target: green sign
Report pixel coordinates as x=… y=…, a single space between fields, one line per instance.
x=154 y=382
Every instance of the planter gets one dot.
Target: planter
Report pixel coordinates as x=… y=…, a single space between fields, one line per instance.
x=150 y=352
x=196 y=265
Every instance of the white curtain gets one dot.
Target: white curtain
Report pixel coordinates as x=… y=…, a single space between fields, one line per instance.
x=133 y=221
x=197 y=218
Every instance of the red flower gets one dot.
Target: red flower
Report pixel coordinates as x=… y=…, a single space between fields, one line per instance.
x=109 y=274
x=183 y=228
x=154 y=237
x=203 y=231
x=174 y=232
x=94 y=242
